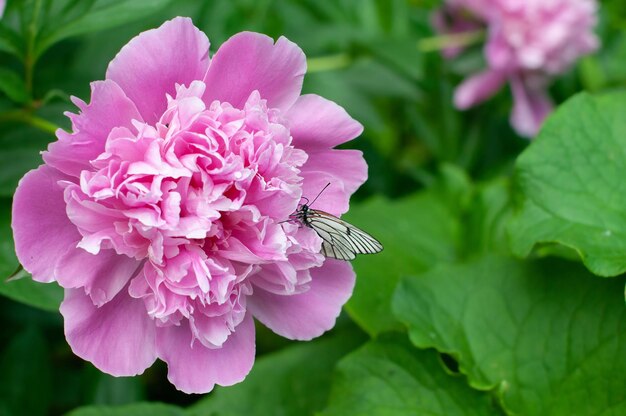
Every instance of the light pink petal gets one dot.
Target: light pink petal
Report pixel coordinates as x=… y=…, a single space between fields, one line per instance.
x=197 y=369
x=151 y=64
x=345 y=170
x=41 y=229
x=102 y=275
x=531 y=107
x=317 y=123
x=251 y=61
x=118 y=337
x=478 y=88
x=309 y=314
x=109 y=108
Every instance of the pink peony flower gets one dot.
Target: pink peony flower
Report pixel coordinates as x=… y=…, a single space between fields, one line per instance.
x=529 y=42
x=163 y=213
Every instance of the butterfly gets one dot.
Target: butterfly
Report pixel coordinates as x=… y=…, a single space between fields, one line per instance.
x=340 y=239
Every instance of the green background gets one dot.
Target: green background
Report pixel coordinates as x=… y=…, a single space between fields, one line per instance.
x=500 y=289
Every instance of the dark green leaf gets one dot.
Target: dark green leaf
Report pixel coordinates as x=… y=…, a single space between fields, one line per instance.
x=115 y=391
x=294 y=381
x=103 y=15
x=26 y=379
x=137 y=409
x=14 y=163
x=547 y=335
x=10 y=42
x=13 y=86
x=389 y=378
x=47 y=296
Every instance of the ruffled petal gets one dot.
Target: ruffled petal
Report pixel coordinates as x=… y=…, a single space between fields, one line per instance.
x=109 y=108
x=318 y=123
x=102 y=275
x=345 y=170
x=478 y=88
x=531 y=107
x=309 y=314
x=197 y=369
x=151 y=64
x=118 y=337
x=251 y=61
x=41 y=229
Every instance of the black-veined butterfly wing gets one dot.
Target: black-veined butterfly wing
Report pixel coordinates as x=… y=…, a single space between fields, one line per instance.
x=341 y=240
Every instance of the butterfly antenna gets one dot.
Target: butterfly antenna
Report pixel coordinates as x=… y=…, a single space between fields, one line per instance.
x=318 y=195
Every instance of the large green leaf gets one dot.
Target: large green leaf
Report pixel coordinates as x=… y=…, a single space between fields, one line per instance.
x=294 y=381
x=26 y=380
x=137 y=409
x=572 y=181
x=417 y=232
x=547 y=335
x=388 y=377
x=13 y=86
x=102 y=15
x=20 y=151
x=46 y=296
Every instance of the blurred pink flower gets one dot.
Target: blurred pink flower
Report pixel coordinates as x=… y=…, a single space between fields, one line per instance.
x=529 y=42
x=163 y=213
x=3 y=3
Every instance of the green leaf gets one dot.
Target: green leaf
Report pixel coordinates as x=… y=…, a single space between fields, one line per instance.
x=402 y=54
x=10 y=41
x=45 y=296
x=103 y=15
x=137 y=409
x=486 y=217
x=13 y=86
x=417 y=232
x=14 y=163
x=388 y=377
x=547 y=335
x=572 y=182
x=117 y=391
x=20 y=151
x=388 y=82
x=293 y=381
x=26 y=380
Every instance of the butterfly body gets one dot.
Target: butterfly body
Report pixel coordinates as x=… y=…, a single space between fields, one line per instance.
x=340 y=239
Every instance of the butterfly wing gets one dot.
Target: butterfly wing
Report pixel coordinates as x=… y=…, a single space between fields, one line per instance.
x=341 y=240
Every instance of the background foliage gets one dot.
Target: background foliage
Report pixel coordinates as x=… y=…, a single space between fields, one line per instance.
x=500 y=287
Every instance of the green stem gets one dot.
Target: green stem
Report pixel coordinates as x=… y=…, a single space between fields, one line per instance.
x=455 y=40
x=23 y=116
x=328 y=63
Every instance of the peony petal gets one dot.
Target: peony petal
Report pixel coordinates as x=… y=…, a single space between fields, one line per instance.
x=478 y=88
x=102 y=275
x=197 y=369
x=118 y=337
x=41 y=229
x=345 y=170
x=151 y=64
x=251 y=61
x=109 y=108
x=317 y=123
x=531 y=107
x=309 y=314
